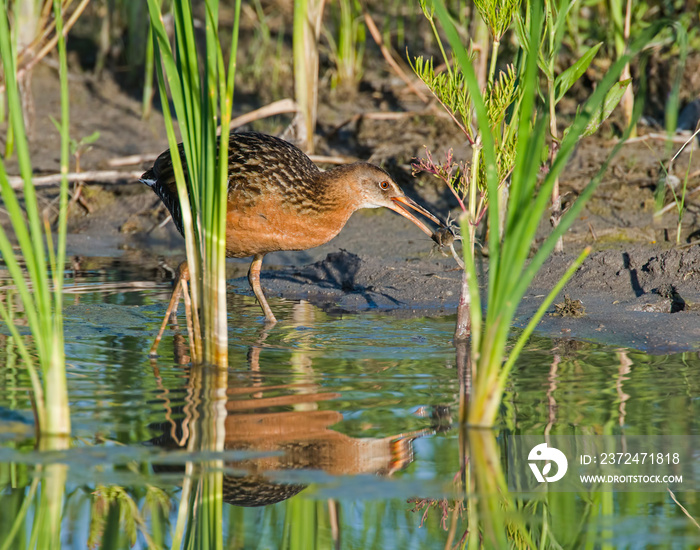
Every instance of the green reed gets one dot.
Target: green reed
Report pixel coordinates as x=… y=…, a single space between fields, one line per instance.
x=203 y=101
x=306 y=521
x=348 y=46
x=40 y=284
x=558 y=85
x=307 y=26
x=510 y=272
x=621 y=16
x=501 y=96
x=147 y=98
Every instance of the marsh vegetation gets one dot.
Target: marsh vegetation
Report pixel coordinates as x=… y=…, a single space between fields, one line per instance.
x=374 y=414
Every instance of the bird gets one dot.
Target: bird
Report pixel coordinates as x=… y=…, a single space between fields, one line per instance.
x=278 y=199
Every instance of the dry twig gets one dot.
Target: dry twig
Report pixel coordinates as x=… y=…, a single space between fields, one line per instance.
x=377 y=36
x=275 y=108
x=102 y=176
x=50 y=45
x=131 y=160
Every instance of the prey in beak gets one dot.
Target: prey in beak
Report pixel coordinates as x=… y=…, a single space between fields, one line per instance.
x=401 y=206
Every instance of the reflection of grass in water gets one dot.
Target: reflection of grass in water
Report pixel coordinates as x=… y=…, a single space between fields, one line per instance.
x=591 y=390
x=585 y=396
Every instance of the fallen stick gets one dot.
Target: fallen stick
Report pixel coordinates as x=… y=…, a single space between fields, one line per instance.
x=275 y=108
x=84 y=288
x=672 y=205
x=131 y=160
x=656 y=135
x=115 y=176
x=101 y=176
x=111 y=176
x=377 y=36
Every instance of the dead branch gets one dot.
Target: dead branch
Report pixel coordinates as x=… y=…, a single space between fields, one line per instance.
x=275 y=108
x=131 y=160
x=50 y=45
x=102 y=176
x=377 y=36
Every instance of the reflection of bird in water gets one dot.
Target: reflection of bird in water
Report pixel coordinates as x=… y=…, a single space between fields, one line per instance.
x=279 y=200
x=292 y=440
x=287 y=423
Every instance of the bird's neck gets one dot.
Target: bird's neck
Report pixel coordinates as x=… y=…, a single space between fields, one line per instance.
x=340 y=189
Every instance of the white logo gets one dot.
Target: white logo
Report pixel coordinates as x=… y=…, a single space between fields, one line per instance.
x=542 y=452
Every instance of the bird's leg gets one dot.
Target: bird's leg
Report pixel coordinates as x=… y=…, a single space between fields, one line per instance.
x=183 y=275
x=254 y=279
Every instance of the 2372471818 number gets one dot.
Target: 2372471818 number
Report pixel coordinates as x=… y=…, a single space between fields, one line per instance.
x=638 y=458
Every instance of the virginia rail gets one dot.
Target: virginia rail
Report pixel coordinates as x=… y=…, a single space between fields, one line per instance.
x=279 y=200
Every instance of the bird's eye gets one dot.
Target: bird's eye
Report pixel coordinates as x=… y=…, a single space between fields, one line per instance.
x=384 y=185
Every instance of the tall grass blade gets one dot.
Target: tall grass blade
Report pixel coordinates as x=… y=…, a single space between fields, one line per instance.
x=40 y=292
x=307 y=24
x=58 y=420
x=147 y=100
x=203 y=101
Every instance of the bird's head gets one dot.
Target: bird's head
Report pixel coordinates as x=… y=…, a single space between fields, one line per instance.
x=374 y=188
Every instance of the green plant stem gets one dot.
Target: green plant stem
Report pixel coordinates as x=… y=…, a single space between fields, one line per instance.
x=30 y=239
x=42 y=303
x=448 y=65
x=465 y=308
x=473 y=188
x=472 y=282
x=56 y=391
x=556 y=200
x=51 y=498
x=202 y=100
x=147 y=100
x=529 y=329
x=214 y=253
x=510 y=272
x=494 y=58
x=552 y=48
x=180 y=90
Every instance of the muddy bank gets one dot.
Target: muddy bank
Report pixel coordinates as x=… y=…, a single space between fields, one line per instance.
x=646 y=298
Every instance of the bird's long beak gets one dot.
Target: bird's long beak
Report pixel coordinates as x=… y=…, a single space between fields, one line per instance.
x=399 y=207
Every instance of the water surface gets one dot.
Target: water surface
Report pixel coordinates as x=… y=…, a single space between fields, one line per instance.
x=339 y=429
